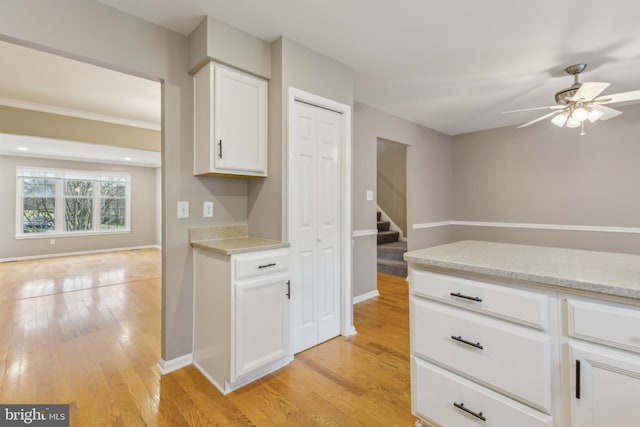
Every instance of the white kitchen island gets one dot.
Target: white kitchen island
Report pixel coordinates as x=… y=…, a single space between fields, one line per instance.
x=506 y=335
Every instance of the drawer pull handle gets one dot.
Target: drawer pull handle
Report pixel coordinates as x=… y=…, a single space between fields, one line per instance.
x=271 y=264
x=288 y=289
x=459 y=295
x=577 y=379
x=462 y=340
x=469 y=411
x=220 y=152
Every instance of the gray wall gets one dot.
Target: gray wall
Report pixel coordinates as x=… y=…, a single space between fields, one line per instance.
x=391 y=182
x=429 y=184
x=143 y=211
x=292 y=65
x=545 y=175
x=37 y=123
x=98 y=34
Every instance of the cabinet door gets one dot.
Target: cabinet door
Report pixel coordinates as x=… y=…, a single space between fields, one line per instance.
x=262 y=332
x=609 y=387
x=240 y=122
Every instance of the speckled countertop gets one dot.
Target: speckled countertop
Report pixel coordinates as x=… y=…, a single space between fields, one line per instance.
x=602 y=272
x=230 y=240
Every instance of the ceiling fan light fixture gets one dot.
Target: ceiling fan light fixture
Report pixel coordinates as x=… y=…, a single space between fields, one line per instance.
x=580 y=114
x=594 y=115
x=560 y=119
x=572 y=123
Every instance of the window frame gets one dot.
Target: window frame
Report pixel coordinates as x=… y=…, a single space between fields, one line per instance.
x=60 y=176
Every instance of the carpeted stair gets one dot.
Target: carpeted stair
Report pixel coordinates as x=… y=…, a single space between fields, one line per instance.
x=390 y=250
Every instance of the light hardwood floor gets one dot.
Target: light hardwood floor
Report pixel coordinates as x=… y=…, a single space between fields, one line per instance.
x=85 y=330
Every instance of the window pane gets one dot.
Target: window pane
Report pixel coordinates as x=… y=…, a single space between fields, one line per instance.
x=112 y=189
x=39 y=187
x=78 y=209
x=112 y=214
x=78 y=188
x=38 y=215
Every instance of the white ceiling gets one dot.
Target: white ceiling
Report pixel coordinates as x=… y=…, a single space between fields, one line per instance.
x=451 y=65
x=40 y=81
x=37 y=80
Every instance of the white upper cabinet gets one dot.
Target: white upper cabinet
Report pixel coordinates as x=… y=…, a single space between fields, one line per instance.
x=230 y=129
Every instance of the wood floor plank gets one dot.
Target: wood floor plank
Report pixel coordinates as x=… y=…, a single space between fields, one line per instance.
x=85 y=331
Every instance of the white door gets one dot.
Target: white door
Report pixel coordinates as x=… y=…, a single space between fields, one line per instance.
x=315 y=225
x=609 y=387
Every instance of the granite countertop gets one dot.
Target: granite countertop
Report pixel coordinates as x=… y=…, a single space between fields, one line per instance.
x=603 y=272
x=230 y=240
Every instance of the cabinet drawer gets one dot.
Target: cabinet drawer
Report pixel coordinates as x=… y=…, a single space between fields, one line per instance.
x=260 y=263
x=435 y=391
x=606 y=323
x=528 y=308
x=509 y=358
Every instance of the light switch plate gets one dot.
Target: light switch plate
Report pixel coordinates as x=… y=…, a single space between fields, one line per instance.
x=183 y=210
x=207 y=209
x=369 y=194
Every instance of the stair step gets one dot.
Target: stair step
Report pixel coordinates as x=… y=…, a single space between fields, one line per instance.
x=384 y=225
x=396 y=268
x=379 y=215
x=392 y=251
x=387 y=236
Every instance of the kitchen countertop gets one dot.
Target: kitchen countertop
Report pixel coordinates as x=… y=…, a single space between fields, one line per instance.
x=603 y=272
x=238 y=245
x=230 y=239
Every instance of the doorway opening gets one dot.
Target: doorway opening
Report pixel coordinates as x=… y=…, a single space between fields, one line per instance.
x=391 y=188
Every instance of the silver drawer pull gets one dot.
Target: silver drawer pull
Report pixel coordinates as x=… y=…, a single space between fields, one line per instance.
x=462 y=340
x=469 y=411
x=267 y=265
x=459 y=295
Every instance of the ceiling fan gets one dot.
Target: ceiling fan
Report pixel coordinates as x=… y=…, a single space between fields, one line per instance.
x=580 y=102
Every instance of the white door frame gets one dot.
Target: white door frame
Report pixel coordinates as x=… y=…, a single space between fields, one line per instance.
x=346 y=245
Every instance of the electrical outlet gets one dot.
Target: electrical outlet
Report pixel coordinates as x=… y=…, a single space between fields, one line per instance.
x=369 y=194
x=207 y=209
x=52 y=242
x=183 y=210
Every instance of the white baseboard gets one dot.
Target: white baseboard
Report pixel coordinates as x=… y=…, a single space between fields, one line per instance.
x=167 y=366
x=366 y=296
x=96 y=251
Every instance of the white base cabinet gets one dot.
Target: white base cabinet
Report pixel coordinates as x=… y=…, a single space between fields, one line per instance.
x=604 y=362
x=492 y=353
x=241 y=316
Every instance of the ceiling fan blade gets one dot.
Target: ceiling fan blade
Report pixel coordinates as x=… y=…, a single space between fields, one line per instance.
x=538 y=119
x=607 y=113
x=589 y=90
x=550 y=107
x=619 y=97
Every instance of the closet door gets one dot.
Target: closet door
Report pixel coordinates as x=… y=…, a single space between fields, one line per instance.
x=315 y=216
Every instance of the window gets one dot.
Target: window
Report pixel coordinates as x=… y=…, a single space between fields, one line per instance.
x=54 y=201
